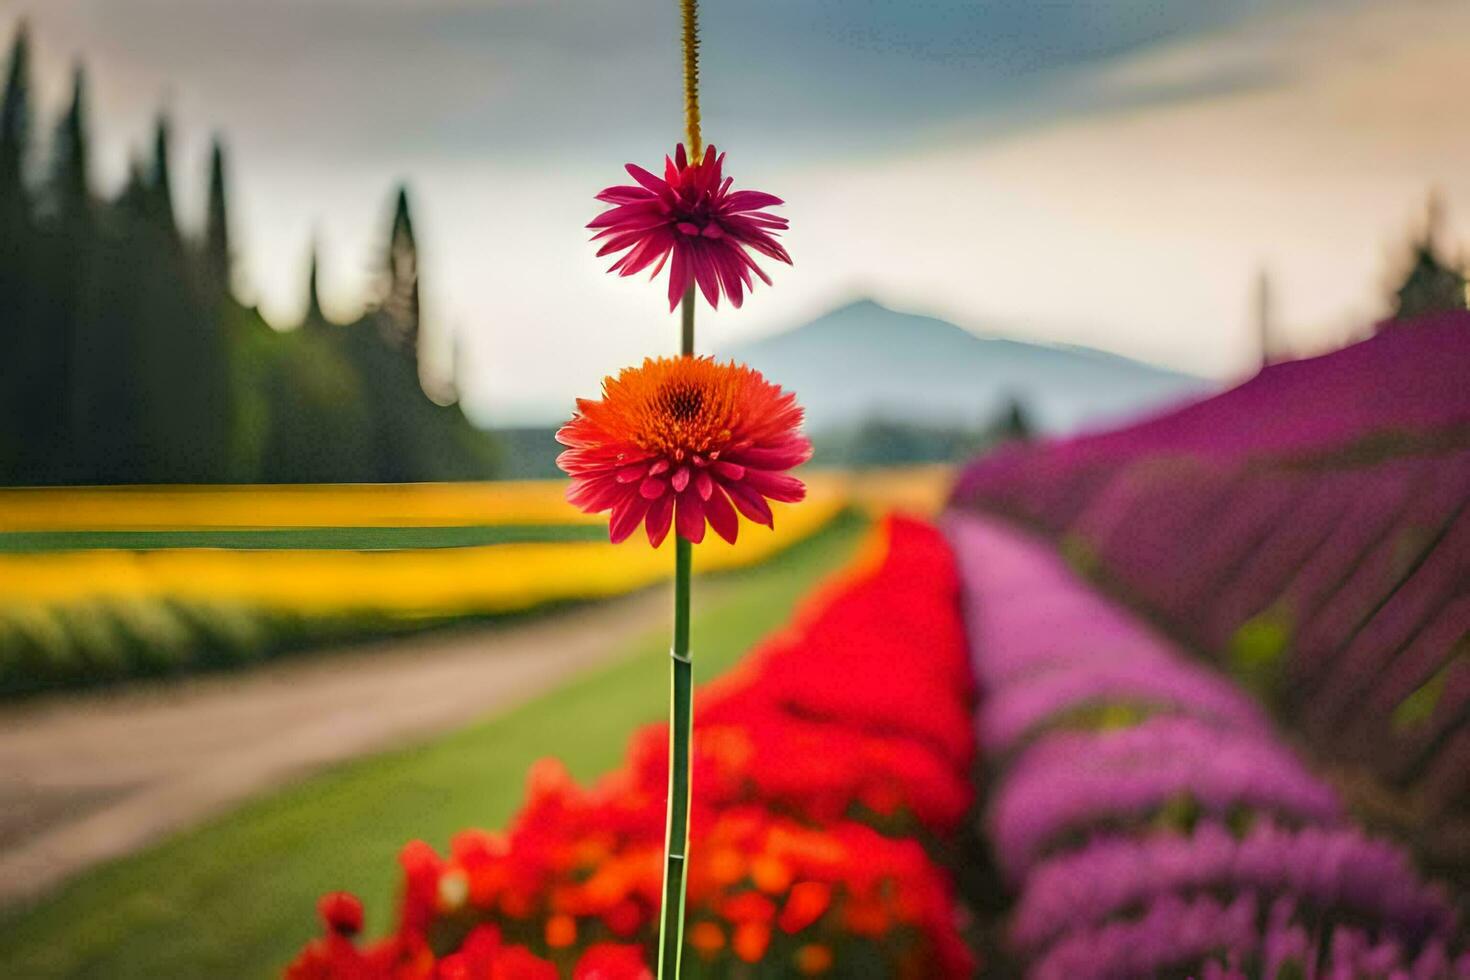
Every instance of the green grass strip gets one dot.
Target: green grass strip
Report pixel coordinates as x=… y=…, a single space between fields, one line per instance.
x=299 y=538
x=236 y=898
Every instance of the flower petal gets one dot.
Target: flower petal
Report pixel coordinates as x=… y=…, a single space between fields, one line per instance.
x=751 y=201
x=689 y=516
x=660 y=519
x=647 y=179
x=722 y=515
x=776 y=486
x=626 y=517
x=750 y=503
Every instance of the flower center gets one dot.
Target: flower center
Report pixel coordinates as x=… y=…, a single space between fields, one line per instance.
x=681 y=400
x=686 y=416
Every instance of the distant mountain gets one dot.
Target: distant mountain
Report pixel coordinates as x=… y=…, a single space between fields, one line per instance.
x=865 y=361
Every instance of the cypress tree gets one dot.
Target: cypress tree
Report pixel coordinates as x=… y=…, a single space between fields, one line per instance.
x=314 y=315
x=400 y=304
x=218 y=260
x=19 y=307
x=71 y=253
x=15 y=123
x=70 y=196
x=1433 y=284
x=160 y=182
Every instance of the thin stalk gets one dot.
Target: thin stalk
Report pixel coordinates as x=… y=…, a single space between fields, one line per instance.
x=686 y=333
x=681 y=667
x=681 y=722
x=690 y=9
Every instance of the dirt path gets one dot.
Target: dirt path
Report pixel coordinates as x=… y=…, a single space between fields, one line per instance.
x=89 y=778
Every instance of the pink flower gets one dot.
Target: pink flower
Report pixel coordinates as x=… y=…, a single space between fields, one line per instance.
x=692 y=213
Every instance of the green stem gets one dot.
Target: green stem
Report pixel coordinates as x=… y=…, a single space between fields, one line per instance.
x=681 y=722
x=681 y=667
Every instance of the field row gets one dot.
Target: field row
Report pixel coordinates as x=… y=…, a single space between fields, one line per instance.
x=109 y=583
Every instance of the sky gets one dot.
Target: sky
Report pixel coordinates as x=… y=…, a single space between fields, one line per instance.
x=1111 y=173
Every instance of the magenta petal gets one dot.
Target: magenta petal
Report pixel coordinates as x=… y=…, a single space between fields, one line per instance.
x=689 y=516
x=751 y=201
x=680 y=479
x=678 y=275
x=728 y=470
x=704 y=274
x=625 y=518
x=777 y=486
x=596 y=495
x=722 y=515
x=660 y=519
x=704 y=484
x=647 y=179
x=782 y=456
x=652 y=488
x=750 y=503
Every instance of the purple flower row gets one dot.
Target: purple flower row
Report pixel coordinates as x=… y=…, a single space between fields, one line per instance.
x=1327 y=868
x=1144 y=683
x=1190 y=838
x=1229 y=941
x=1073 y=781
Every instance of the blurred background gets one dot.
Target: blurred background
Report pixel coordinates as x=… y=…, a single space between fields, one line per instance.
x=293 y=296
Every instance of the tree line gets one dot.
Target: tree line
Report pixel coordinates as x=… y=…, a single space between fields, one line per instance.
x=125 y=356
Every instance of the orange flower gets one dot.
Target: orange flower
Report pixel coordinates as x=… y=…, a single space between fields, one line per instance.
x=707 y=938
x=770 y=874
x=751 y=940
x=561 y=931
x=808 y=902
x=684 y=442
x=726 y=866
x=813 y=959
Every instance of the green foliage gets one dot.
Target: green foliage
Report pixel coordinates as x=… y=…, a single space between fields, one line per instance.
x=124 y=357
x=101 y=640
x=1433 y=283
x=217 y=261
x=1418 y=708
x=1259 y=648
x=15 y=119
x=881 y=442
x=1080 y=554
x=1179 y=815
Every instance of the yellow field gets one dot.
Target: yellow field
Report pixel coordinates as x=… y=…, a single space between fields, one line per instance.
x=408 y=583
x=360 y=505
x=437 y=582
x=919 y=489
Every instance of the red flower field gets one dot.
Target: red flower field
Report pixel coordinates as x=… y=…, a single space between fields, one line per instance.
x=824 y=769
